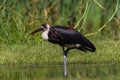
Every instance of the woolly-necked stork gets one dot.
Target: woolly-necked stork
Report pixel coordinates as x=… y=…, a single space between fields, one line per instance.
x=65 y=37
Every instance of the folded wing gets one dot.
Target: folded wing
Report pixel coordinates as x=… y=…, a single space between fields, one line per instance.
x=66 y=35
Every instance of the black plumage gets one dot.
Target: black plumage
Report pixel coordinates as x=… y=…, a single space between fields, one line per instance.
x=65 y=37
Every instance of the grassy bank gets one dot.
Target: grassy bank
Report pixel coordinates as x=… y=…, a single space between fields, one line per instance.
x=107 y=51
x=94 y=18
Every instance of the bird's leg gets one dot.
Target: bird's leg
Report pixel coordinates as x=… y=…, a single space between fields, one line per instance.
x=65 y=61
x=65 y=65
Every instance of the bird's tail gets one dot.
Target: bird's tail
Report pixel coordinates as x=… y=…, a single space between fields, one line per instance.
x=89 y=46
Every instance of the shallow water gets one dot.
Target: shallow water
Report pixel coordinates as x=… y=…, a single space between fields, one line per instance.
x=109 y=71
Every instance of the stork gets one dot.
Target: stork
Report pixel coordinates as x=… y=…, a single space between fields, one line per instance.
x=67 y=38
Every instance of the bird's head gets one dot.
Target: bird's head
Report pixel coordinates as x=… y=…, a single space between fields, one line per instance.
x=43 y=28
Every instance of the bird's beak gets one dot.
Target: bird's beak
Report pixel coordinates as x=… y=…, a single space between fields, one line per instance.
x=36 y=30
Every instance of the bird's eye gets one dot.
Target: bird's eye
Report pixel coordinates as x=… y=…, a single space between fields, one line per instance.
x=45 y=27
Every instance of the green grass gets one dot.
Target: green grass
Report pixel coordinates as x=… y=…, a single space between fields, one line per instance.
x=19 y=18
x=107 y=51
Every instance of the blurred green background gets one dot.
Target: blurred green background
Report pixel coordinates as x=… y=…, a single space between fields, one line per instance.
x=98 y=20
x=19 y=17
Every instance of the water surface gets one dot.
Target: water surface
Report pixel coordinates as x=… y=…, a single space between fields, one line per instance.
x=110 y=71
